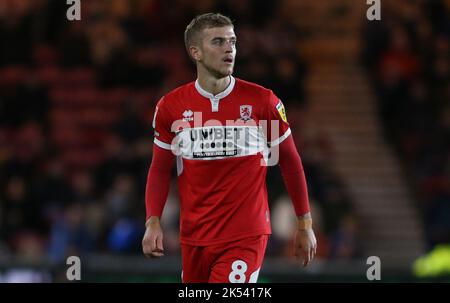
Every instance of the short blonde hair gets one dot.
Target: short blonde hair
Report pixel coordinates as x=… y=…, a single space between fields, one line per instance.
x=199 y=23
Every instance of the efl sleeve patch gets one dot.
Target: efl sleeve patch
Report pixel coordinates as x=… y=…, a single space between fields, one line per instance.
x=281 y=111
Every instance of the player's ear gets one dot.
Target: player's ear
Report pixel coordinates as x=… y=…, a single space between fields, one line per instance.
x=195 y=52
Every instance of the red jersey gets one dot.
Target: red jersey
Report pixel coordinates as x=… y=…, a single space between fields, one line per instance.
x=221 y=146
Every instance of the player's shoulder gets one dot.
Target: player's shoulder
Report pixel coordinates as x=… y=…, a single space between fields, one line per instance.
x=251 y=86
x=177 y=93
x=254 y=88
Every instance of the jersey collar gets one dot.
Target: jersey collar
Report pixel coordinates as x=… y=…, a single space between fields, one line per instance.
x=220 y=95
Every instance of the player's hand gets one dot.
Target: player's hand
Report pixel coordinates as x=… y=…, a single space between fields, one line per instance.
x=152 y=243
x=305 y=243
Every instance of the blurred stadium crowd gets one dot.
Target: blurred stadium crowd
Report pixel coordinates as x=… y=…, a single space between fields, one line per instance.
x=408 y=57
x=77 y=99
x=76 y=105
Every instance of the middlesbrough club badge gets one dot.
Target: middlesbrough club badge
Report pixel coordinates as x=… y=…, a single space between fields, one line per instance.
x=246 y=112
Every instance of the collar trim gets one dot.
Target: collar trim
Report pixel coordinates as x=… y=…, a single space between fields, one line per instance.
x=220 y=95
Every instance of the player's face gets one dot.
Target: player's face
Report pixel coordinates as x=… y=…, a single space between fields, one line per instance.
x=218 y=51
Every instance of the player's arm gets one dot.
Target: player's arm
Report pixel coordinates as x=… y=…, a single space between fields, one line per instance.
x=158 y=180
x=305 y=244
x=294 y=178
x=157 y=190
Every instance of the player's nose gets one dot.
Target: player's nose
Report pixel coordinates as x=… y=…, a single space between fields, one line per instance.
x=229 y=47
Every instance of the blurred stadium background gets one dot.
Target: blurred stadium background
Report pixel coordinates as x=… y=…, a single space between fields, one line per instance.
x=368 y=103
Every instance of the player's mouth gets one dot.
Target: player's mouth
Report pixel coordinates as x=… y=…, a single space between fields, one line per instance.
x=228 y=60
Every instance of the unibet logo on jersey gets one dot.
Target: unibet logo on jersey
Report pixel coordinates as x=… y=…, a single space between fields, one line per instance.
x=282 y=111
x=220 y=141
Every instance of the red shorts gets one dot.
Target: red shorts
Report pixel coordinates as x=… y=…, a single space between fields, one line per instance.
x=236 y=262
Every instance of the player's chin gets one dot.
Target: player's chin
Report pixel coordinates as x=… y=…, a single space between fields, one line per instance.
x=227 y=71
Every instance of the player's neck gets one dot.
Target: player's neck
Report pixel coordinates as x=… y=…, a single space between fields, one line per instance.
x=213 y=85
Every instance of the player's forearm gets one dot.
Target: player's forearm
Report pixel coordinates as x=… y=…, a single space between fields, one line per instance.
x=157 y=190
x=294 y=176
x=158 y=182
x=297 y=190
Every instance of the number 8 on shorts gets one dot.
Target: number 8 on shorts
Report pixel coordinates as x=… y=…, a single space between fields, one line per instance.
x=237 y=274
